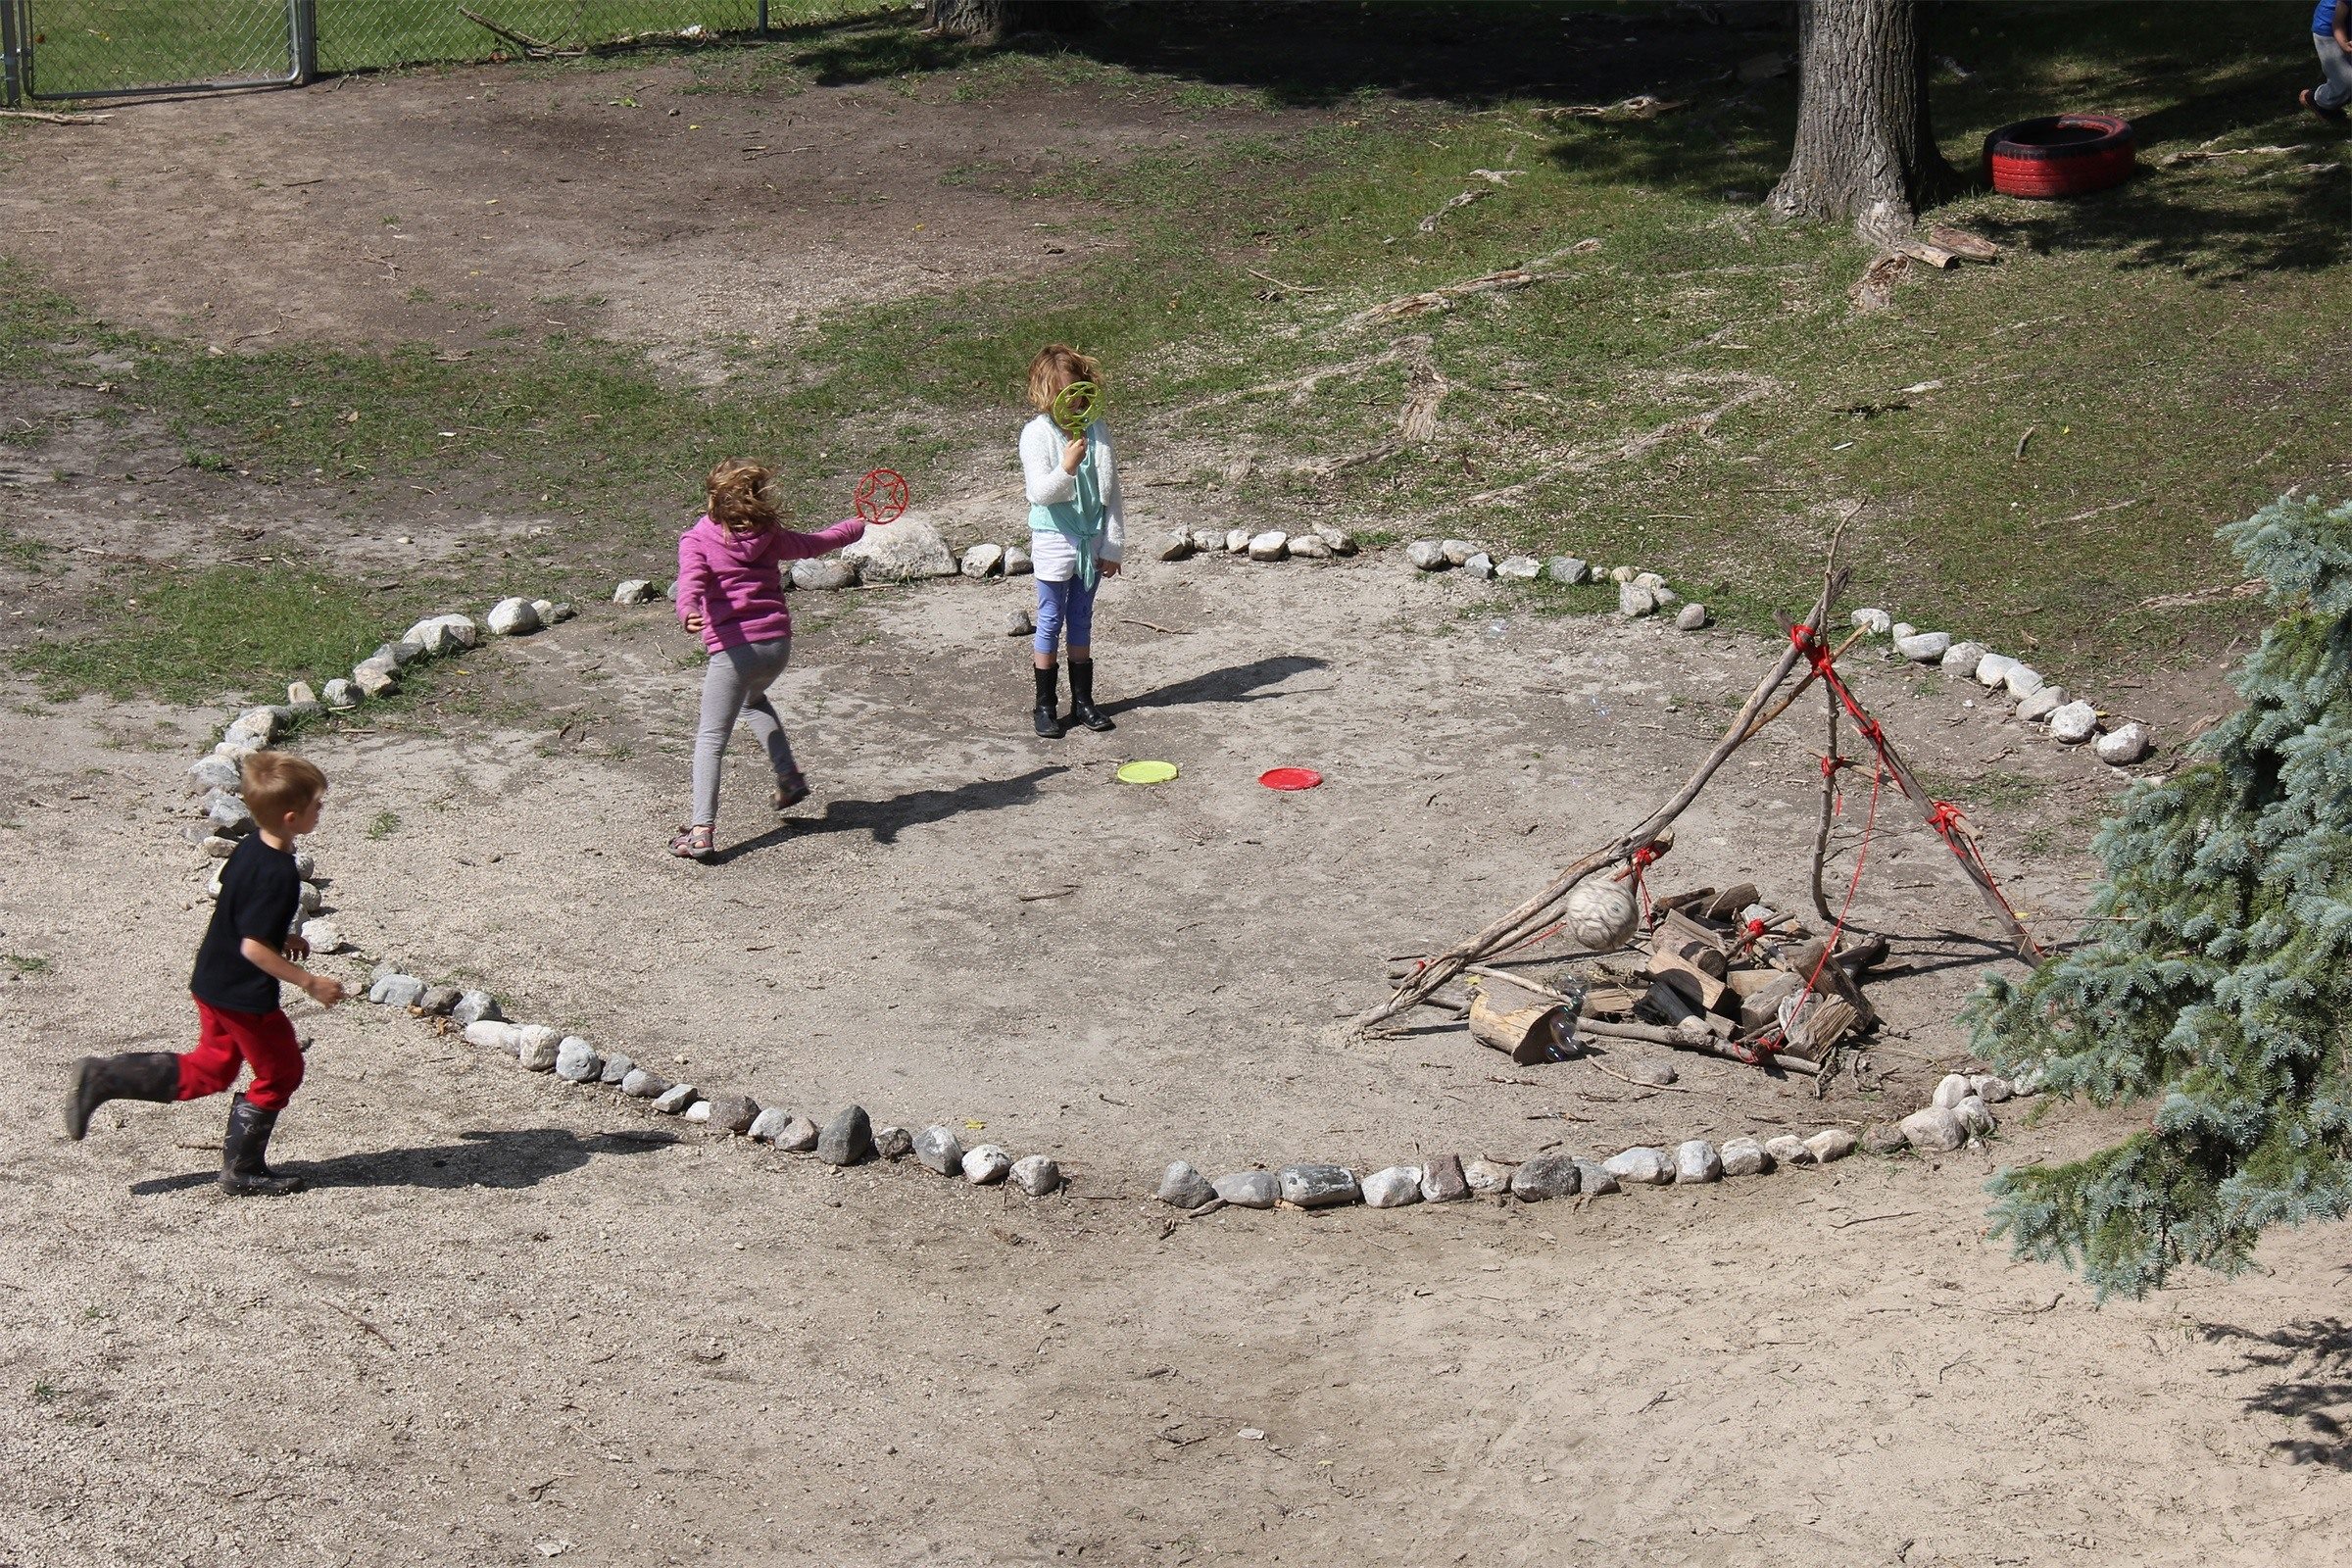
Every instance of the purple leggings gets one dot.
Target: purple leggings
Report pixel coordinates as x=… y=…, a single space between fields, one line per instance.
x=1064 y=607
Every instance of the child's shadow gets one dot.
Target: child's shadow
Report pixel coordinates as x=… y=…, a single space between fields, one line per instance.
x=522 y=1157
x=885 y=819
x=1235 y=683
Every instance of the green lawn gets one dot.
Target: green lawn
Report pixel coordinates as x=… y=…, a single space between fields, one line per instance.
x=2029 y=451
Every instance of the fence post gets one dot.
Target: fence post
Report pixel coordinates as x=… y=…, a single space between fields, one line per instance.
x=762 y=19
x=306 y=42
x=11 y=88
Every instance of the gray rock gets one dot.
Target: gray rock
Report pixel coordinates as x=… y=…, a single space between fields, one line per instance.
x=1237 y=541
x=373 y=677
x=1831 y=1144
x=1318 y=1186
x=1994 y=669
x=673 y=1101
x=820 y=572
x=1036 y=1174
x=1595 y=1181
x=797 y=1136
x=699 y=1112
x=1924 y=646
x=767 y=1125
x=512 y=619
x=1650 y=1071
x=1519 y=568
x=1480 y=565
x=209 y=773
x=2120 y=748
x=1427 y=555
x=1951 y=1089
x=1486 y=1176
x=396 y=991
x=638 y=1084
x=1017 y=563
x=1990 y=1088
x=1960 y=661
x=472 y=1008
x=554 y=612
x=615 y=1068
x=1310 y=547
x=893 y=1143
x=1745 y=1157
x=1019 y=623
x=1789 y=1149
x=1691 y=617
x=2025 y=1085
x=636 y=591
x=437 y=1001
x=1181 y=1187
x=1545 y=1177
x=229 y=815
x=1875 y=621
x=1458 y=551
x=1271 y=545
x=734 y=1113
x=983 y=562
x=1393 y=1187
x=263 y=723
x=2021 y=681
x=491 y=1034
x=1695 y=1161
x=1634 y=600
x=1176 y=545
x=2042 y=704
x=1976 y=1116
x=300 y=696
x=848 y=1138
x=937 y=1150
x=535 y=1046
x=1248 y=1188
x=1934 y=1130
x=1442 y=1182
x=1664 y=596
x=1647 y=1167
x=1342 y=542
x=309 y=898
x=577 y=1061
x=399 y=653
x=1885 y=1138
x=1567 y=570
x=903 y=551
x=338 y=694
x=987 y=1165
x=1900 y=630
x=216 y=847
x=324 y=938
x=1209 y=538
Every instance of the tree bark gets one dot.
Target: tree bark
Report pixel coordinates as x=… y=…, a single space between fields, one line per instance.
x=987 y=21
x=1865 y=152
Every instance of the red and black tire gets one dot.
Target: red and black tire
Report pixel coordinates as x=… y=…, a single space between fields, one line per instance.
x=2059 y=155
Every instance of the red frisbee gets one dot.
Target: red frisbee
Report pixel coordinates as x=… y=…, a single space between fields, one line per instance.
x=881 y=497
x=1290 y=778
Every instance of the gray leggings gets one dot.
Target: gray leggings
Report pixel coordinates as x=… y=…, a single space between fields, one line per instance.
x=736 y=683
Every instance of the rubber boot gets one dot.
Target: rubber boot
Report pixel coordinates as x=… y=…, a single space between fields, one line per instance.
x=1082 y=697
x=134 y=1075
x=1048 y=723
x=244 y=1155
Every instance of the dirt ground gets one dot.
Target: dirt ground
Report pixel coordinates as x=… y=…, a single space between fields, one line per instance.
x=514 y=1321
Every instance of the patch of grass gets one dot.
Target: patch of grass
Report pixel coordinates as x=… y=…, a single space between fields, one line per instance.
x=24 y=963
x=193 y=634
x=1996 y=788
x=383 y=825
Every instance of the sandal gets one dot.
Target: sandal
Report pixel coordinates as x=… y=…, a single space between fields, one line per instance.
x=791 y=792
x=692 y=842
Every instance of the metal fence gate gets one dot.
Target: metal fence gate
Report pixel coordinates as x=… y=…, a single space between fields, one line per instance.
x=66 y=49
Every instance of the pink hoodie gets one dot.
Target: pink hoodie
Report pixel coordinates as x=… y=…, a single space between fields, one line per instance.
x=735 y=581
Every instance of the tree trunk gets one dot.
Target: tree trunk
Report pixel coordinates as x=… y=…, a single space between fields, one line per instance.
x=1864 y=152
x=989 y=21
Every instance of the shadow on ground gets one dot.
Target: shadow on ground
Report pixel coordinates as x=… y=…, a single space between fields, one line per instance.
x=522 y=1157
x=2314 y=1387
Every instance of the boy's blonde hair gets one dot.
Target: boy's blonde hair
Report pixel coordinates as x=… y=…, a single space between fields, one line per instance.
x=278 y=785
x=737 y=492
x=1055 y=366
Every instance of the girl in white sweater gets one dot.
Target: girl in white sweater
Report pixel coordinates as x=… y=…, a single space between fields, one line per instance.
x=1077 y=533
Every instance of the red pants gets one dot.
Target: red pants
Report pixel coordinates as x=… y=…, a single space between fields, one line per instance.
x=263 y=1041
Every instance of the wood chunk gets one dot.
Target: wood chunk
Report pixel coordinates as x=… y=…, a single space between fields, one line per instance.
x=1681 y=901
x=1680 y=933
x=1761 y=1010
x=1727 y=904
x=1831 y=978
x=1825 y=1020
x=1688 y=977
x=1960 y=242
x=1745 y=983
x=1610 y=1002
x=1527 y=1025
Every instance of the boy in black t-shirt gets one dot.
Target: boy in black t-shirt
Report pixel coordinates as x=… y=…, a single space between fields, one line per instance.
x=247 y=950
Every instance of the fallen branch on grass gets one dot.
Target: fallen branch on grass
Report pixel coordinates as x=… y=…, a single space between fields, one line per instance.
x=2201 y=156
x=1439 y=298
x=1641 y=106
x=49 y=117
x=533 y=47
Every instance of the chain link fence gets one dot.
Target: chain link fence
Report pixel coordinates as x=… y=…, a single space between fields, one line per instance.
x=64 y=49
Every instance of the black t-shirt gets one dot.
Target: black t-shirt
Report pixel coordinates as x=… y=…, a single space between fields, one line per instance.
x=260 y=894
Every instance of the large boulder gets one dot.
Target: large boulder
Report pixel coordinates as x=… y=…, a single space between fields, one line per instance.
x=901 y=551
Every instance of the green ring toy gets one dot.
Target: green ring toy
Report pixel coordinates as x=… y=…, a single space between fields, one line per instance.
x=1076 y=405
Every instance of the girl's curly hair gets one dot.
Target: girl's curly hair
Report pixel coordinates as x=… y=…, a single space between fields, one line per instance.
x=739 y=500
x=1055 y=366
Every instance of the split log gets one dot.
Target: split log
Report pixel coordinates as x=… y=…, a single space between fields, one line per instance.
x=1528 y=1024
x=1727 y=904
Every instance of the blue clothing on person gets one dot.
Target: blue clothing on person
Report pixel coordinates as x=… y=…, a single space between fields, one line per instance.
x=2323 y=21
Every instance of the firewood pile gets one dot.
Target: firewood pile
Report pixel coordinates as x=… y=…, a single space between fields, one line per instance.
x=1717 y=971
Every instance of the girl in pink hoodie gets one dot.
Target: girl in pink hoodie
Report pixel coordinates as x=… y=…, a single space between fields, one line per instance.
x=731 y=592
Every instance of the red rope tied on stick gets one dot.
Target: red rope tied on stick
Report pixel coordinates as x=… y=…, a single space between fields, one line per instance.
x=1640 y=860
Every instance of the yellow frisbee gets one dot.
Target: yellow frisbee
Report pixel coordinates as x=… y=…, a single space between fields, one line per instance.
x=1147 y=772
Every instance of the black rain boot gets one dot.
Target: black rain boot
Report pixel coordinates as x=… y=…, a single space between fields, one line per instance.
x=1048 y=723
x=134 y=1075
x=244 y=1155
x=1082 y=697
